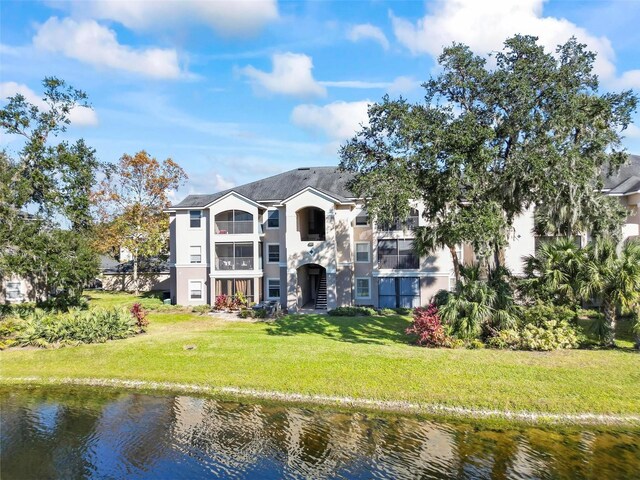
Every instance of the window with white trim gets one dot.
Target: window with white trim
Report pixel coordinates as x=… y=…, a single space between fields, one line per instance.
x=273 y=253
x=195 y=218
x=363 y=288
x=195 y=254
x=195 y=290
x=273 y=288
x=273 y=219
x=363 y=254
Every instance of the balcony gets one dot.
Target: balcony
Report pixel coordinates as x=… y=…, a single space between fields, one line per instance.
x=233 y=227
x=398 y=262
x=234 y=263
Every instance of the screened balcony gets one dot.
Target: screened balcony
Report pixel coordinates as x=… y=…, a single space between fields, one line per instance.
x=234 y=256
x=397 y=255
x=410 y=223
x=233 y=222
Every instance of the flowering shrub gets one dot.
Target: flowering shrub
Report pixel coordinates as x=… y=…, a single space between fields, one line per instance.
x=222 y=302
x=428 y=327
x=139 y=314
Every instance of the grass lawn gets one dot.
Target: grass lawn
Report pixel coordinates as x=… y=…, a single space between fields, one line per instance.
x=365 y=357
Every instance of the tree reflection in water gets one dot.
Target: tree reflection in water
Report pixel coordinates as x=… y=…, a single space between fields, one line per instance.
x=80 y=433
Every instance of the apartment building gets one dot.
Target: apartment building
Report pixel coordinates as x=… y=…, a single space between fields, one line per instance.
x=303 y=239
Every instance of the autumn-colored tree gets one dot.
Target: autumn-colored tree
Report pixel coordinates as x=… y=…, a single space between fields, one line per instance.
x=130 y=202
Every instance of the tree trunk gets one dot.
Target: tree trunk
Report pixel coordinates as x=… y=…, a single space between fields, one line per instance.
x=610 y=317
x=456 y=262
x=136 y=290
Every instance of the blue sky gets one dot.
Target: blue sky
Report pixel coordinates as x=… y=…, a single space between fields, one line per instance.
x=235 y=91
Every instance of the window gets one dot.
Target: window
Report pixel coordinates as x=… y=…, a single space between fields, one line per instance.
x=399 y=292
x=273 y=288
x=195 y=254
x=362 y=219
x=233 y=222
x=397 y=254
x=13 y=291
x=195 y=290
x=363 y=288
x=273 y=219
x=362 y=252
x=195 y=217
x=273 y=253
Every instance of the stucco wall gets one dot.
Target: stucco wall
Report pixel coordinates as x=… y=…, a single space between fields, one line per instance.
x=146 y=281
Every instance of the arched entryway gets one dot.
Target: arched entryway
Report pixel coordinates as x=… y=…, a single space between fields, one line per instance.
x=311 y=287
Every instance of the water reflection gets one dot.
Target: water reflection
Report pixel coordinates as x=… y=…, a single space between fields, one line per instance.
x=89 y=434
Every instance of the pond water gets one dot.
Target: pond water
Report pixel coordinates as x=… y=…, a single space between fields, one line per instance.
x=85 y=433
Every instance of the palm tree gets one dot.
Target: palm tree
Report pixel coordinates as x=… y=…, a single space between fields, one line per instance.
x=552 y=273
x=613 y=275
x=477 y=304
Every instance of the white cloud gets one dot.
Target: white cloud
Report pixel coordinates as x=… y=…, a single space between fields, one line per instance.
x=229 y=18
x=337 y=120
x=291 y=75
x=354 y=84
x=400 y=84
x=632 y=131
x=485 y=25
x=403 y=84
x=97 y=45
x=79 y=115
x=366 y=31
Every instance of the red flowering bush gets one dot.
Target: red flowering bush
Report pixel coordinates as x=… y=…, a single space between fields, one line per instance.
x=428 y=327
x=139 y=314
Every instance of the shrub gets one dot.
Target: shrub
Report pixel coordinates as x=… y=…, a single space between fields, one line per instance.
x=352 y=312
x=402 y=311
x=540 y=313
x=260 y=313
x=44 y=329
x=246 y=313
x=387 y=311
x=239 y=300
x=550 y=335
x=201 y=309
x=427 y=326
x=475 y=344
x=139 y=315
x=222 y=302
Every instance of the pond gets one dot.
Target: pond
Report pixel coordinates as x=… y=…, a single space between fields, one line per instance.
x=86 y=433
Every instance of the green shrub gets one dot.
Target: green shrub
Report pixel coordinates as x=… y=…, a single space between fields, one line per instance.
x=387 y=312
x=403 y=311
x=352 y=312
x=475 y=344
x=550 y=335
x=246 y=313
x=540 y=313
x=260 y=313
x=43 y=329
x=201 y=309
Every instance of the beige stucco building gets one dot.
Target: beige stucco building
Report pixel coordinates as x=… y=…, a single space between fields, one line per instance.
x=303 y=239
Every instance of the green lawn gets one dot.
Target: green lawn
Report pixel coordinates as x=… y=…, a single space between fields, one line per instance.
x=365 y=357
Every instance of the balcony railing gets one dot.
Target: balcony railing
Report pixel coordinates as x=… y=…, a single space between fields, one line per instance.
x=398 y=262
x=234 y=263
x=234 y=227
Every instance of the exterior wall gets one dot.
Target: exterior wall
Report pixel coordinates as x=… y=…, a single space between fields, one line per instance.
x=321 y=252
x=26 y=290
x=631 y=228
x=183 y=276
x=521 y=243
x=147 y=281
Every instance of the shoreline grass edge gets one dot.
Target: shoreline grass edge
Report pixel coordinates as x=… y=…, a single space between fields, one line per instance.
x=349 y=403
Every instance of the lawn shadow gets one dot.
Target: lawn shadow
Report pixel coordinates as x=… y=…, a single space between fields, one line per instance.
x=372 y=330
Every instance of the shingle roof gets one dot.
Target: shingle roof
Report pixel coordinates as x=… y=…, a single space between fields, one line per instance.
x=627 y=180
x=328 y=180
